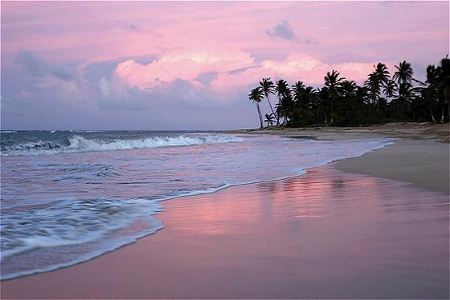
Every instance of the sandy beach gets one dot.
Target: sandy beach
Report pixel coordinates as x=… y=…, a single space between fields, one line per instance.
x=375 y=226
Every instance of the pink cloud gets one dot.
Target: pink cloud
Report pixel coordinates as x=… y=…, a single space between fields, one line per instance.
x=189 y=65
x=295 y=67
x=181 y=65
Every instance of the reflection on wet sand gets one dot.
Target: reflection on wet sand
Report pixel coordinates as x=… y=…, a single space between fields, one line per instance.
x=382 y=237
x=323 y=235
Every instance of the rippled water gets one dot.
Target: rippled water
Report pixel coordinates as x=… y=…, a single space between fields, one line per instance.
x=70 y=196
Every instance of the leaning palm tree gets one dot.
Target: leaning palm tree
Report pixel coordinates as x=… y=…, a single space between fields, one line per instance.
x=267 y=88
x=334 y=84
x=256 y=96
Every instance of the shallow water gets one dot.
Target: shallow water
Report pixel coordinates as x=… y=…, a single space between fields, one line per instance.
x=70 y=196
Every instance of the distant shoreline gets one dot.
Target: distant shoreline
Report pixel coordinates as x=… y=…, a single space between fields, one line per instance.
x=412 y=130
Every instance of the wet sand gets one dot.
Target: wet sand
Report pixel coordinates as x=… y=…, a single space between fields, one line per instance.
x=328 y=234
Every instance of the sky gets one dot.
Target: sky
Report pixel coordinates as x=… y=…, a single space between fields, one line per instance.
x=191 y=65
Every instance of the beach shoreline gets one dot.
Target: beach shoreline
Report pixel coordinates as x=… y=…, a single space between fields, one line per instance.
x=411 y=130
x=182 y=260
x=417 y=146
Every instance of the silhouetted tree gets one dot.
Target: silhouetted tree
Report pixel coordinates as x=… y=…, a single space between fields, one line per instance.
x=334 y=85
x=267 y=88
x=256 y=96
x=343 y=102
x=283 y=93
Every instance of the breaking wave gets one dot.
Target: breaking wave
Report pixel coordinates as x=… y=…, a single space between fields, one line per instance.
x=78 y=143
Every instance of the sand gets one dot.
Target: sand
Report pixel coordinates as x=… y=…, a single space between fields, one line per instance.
x=368 y=227
x=424 y=164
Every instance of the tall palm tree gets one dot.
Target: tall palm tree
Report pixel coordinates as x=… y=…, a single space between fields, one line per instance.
x=256 y=96
x=444 y=85
x=283 y=93
x=297 y=91
x=348 y=92
x=267 y=88
x=334 y=85
x=438 y=79
x=377 y=79
x=430 y=91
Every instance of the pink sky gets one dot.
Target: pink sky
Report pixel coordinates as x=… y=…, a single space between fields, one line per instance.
x=120 y=59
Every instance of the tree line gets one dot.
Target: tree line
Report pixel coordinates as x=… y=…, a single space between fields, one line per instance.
x=341 y=102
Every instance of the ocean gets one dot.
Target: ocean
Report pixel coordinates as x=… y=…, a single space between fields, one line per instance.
x=70 y=196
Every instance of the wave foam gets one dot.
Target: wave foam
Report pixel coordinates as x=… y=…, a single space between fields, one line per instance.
x=79 y=143
x=69 y=222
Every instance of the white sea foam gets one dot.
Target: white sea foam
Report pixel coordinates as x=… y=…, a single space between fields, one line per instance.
x=69 y=222
x=79 y=143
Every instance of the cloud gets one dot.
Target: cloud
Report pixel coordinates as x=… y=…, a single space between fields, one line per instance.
x=40 y=68
x=30 y=63
x=306 y=68
x=281 y=30
x=226 y=72
x=188 y=66
x=104 y=86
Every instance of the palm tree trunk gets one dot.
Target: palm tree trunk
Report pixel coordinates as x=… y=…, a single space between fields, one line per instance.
x=442 y=110
x=260 y=116
x=432 y=115
x=270 y=104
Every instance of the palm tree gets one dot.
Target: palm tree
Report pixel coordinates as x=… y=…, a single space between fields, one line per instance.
x=390 y=89
x=269 y=119
x=429 y=93
x=267 y=88
x=348 y=92
x=402 y=103
x=334 y=84
x=284 y=96
x=256 y=96
x=298 y=89
x=282 y=88
x=404 y=73
x=444 y=85
x=405 y=93
x=438 y=79
x=382 y=73
x=377 y=79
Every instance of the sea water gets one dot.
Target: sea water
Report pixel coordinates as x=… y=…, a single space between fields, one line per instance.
x=70 y=196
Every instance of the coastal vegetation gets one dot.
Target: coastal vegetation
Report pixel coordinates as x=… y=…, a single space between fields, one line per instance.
x=381 y=98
